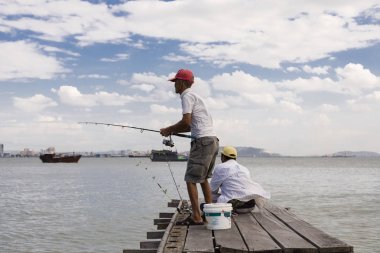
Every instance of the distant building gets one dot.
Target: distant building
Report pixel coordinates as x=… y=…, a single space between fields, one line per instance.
x=1 y=150
x=27 y=153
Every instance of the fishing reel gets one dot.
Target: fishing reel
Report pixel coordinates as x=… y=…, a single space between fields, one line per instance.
x=168 y=142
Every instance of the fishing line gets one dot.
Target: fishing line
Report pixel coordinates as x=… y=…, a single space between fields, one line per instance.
x=175 y=183
x=162 y=189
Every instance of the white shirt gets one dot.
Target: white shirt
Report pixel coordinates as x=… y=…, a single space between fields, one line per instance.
x=234 y=182
x=201 y=121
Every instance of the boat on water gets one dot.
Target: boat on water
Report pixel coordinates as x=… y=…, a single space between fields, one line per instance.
x=167 y=155
x=60 y=158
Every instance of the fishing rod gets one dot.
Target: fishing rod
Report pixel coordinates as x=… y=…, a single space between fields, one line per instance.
x=165 y=142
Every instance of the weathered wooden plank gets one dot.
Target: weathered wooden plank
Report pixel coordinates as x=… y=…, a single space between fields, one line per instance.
x=150 y=244
x=255 y=237
x=162 y=226
x=230 y=240
x=176 y=239
x=163 y=220
x=172 y=204
x=177 y=201
x=139 y=251
x=199 y=239
x=174 y=236
x=165 y=215
x=154 y=234
x=324 y=242
x=283 y=235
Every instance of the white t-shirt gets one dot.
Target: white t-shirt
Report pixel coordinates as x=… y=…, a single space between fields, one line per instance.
x=234 y=182
x=201 y=121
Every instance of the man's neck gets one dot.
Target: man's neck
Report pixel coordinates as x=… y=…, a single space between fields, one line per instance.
x=182 y=91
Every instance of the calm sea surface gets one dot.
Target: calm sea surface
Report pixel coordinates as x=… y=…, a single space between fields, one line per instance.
x=108 y=204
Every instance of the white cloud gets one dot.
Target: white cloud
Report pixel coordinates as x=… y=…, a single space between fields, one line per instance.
x=263 y=99
x=224 y=33
x=277 y=122
x=247 y=90
x=35 y=103
x=56 y=20
x=179 y=58
x=312 y=84
x=159 y=88
x=233 y=131
x=244 y=84
x=201 y=87
x=45 y=118
x=22 y=59
x=293 y=69
x=122 y=82
x=374 y=96
x=116 y=58
x=321 y=120
x=138 y=44
x=143 y=87
x=216 y=103
x=290 y=106
x=316 y=70
x=93 y=76
x=70 y=95
x=124 y=111
x=329 y=108
x=150 y=78
x=358 y=105
x=51 y=49
x=161 y=109
x=354 y=78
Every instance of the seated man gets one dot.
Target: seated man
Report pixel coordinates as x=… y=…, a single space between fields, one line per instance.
x=231 y=183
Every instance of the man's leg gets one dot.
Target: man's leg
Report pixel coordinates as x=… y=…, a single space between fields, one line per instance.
x=206 y=189
x=193 y=195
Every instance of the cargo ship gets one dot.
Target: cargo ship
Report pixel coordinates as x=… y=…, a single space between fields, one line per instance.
x=167 y=155
x=60 y=158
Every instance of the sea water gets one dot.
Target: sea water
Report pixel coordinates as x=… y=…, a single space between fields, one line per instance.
x=108 y=204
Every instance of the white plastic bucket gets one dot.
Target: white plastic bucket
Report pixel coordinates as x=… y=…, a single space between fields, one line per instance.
x=218 y=215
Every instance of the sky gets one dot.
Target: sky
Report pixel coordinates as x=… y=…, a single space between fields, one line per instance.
x=290 y=77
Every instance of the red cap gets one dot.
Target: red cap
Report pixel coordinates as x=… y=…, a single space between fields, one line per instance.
x=184 y=74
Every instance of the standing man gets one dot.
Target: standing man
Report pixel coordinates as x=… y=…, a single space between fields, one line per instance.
x=204 y=147
x=232 y=183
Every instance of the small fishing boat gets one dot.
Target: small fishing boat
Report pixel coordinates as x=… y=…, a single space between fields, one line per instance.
x=60 y=158
x=167 y=155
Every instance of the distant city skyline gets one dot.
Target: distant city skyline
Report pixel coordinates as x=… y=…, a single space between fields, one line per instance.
x=242 y=152
x=294 y=79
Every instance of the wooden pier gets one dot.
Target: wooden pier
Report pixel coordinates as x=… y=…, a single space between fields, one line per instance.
x=271 y=230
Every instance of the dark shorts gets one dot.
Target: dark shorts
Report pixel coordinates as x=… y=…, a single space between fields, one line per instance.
x=201 y=159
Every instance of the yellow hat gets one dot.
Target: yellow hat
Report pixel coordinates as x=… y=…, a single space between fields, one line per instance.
x=229 y=151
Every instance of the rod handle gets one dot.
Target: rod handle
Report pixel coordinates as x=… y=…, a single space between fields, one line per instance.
x=184 y=135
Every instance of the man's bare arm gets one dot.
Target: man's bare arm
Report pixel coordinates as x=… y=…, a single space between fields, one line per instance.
x=180 y=127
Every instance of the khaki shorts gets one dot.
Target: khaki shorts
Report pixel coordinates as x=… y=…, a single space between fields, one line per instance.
x=202 y=159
